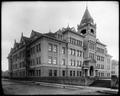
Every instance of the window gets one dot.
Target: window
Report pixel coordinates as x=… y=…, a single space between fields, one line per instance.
x=33 y=51
x=20 y=65
x=55 y=60
x=83 y=31
x=77 y=63
x=70 y=40
x=55 y=72
x=71 y=51
x=63 y=61
x=36 y=72
x=49 y=59
x=80 y=43
x=39 y=47
x=30 y=62
x=80 y=73
x=63 y=72
x=33 y=62
x=74 y=52
x=92 y=31
x=55 y=48
x=91 y=45
x=39 y=72
x=70 y=73
x=102 y=58
x=73 y=73
x=98 y=58
x=36 y=48
x=77 y=73
x=99 y=66
x=77 y=52
x=77 y=42
x=80 y=53
x=100 y=50
x=59 y=36
x=102 y=74
x=71 y=62
x=102 y=66
x=74 y=41
x=39 y=60
x=63 y=50
x=108 y=74
x=50 y=72
x=91 y=55
x=80 y=63
x=74 y=62
x=50 y=47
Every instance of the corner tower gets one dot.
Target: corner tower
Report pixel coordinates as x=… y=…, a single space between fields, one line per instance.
x=87 y=25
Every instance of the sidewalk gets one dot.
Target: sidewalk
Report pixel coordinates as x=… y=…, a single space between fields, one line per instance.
x=98 y=89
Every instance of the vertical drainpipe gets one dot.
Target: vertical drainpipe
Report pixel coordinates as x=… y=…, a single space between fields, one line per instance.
x=59 y=58
x=67 y=60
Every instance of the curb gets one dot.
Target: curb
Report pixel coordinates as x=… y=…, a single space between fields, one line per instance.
x=108 y=92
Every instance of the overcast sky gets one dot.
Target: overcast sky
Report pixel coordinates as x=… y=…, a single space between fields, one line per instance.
x=18 y=17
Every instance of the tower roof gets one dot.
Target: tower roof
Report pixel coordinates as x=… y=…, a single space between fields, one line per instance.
x=87 y=17
x=86 y=14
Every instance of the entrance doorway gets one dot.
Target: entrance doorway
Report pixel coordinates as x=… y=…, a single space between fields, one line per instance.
x=91 y=71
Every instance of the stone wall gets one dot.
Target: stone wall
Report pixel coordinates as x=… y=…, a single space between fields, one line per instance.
x=82 y=81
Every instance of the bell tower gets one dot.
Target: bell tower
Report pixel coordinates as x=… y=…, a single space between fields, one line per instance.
x=87 y=28
x=87 y=25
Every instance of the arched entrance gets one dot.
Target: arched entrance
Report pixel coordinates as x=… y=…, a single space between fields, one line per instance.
x=91 y=71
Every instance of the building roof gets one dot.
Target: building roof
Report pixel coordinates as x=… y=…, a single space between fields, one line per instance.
x=87 y=14
x=98 y=41
x=50 y=34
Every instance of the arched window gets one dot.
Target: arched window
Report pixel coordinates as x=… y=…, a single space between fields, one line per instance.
x=92 y=31
x=83 y=31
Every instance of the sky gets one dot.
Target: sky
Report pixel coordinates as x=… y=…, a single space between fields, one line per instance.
x=18 y=17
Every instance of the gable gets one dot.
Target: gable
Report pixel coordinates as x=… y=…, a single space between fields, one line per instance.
x=35 y=34
x=32 y=34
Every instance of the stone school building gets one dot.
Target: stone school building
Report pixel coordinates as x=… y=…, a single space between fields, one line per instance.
x=66 y=52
